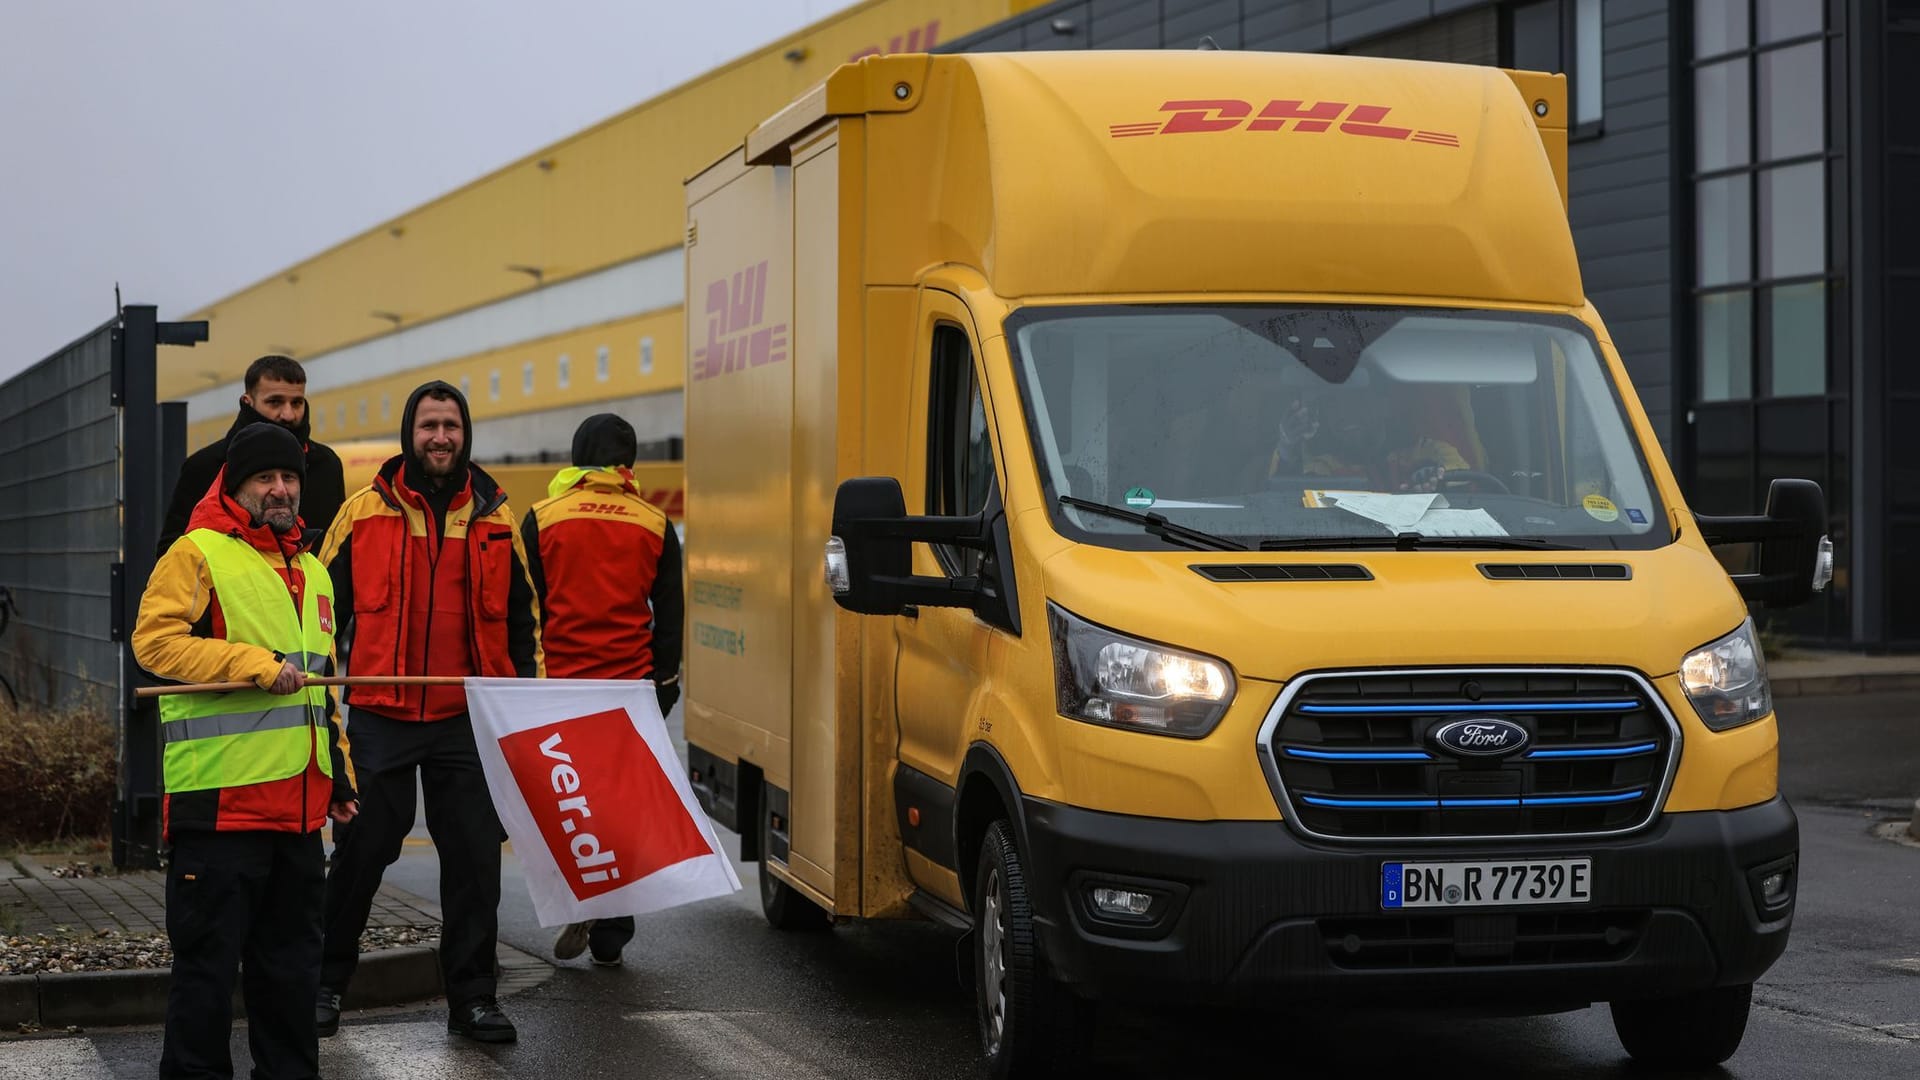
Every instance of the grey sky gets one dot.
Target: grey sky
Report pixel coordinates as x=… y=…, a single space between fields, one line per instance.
x=188 y=148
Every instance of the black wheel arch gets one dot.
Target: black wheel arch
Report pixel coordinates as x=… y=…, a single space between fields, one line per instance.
x=986 y=792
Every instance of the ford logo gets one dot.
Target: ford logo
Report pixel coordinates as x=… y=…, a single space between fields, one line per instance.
x=1481 y=738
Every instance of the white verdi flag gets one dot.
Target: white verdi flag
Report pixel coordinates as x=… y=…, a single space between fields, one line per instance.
x=585 y=780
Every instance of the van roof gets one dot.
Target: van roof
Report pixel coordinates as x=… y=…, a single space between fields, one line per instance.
x=1153 y=172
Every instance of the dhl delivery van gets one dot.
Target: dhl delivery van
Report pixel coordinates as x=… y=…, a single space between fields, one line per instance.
x=1177 y=517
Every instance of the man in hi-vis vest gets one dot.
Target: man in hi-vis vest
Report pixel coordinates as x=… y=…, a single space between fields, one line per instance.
x=250 y=775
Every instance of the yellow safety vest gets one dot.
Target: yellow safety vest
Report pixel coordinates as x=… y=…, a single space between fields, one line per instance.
x=250 y=736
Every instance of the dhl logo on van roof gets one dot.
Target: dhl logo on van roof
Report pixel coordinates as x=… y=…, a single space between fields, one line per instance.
x=1228 y=114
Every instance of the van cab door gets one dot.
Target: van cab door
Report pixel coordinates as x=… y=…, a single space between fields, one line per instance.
x=943 y=652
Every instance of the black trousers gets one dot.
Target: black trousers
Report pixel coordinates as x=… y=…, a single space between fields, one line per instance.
x=609 y=936
x=466 y=835
x=243 y=905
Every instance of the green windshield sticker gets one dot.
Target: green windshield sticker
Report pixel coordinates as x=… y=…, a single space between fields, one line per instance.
x=1139 y=497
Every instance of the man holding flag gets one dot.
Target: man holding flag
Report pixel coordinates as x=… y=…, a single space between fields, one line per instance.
x=251 y=775
x=431 y=577
x=606 y=567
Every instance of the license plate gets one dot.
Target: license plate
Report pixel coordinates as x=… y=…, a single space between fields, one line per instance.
x=1485 y=884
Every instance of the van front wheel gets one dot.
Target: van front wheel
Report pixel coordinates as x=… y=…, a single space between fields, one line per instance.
x=780 y=902
x=1028 y=1022
x=1694 y=1031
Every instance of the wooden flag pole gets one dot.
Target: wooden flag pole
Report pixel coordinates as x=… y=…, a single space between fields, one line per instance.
x=325 y=680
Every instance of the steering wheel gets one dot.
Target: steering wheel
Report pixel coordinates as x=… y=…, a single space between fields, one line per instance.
x=1483 y=481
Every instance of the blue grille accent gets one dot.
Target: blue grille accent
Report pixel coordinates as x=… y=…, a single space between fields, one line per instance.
x=1470 y=804
x=1423 y=708
x=1354 y=757
x=1596 y=752
x=1358 y=755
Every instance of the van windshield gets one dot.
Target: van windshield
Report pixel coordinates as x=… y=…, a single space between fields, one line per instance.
x=1284 y=426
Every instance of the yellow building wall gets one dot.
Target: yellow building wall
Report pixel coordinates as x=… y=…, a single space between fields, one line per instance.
x=371 y=409
x=607 y=195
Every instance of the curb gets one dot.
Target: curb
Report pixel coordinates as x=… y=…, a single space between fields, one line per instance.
x=1823 y=685
x=120 y=998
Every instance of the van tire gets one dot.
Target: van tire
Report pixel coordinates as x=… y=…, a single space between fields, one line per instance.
x=782 y=904
x=1029 y=1024
x=1694 y=1031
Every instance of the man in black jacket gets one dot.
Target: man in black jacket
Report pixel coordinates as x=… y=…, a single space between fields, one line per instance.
x=276 y=393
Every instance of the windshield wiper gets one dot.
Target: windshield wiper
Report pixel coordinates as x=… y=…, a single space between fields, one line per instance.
x=1157 y=525
x=1411 y=541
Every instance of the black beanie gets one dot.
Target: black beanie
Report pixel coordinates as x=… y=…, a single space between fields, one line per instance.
x=604 y=439
x=258 y=447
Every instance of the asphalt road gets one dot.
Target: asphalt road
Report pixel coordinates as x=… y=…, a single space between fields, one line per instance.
x=710 y=991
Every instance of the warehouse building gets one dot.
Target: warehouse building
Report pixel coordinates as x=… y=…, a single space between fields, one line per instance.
x=1738 y=170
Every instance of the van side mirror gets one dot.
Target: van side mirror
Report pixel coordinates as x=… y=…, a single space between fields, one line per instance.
x=1796 y=557
x=870 y=556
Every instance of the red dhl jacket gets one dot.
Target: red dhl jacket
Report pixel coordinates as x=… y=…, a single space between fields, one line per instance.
x=606 y=566
x=181 y=635
x=420 y=602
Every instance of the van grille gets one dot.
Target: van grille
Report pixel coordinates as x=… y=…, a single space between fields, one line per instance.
x=1354 y=758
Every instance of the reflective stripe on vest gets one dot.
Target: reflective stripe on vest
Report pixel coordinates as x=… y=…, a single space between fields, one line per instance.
x=251 y=736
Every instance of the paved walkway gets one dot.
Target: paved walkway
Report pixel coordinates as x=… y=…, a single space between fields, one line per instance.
x=1802 y=674
x=42 y=894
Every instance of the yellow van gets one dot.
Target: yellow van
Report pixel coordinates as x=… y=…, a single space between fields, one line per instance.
x=1248 y=572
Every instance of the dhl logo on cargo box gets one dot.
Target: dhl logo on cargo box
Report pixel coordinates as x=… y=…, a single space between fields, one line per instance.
x=1227 y=114
x=735 y=339
x=918 y=39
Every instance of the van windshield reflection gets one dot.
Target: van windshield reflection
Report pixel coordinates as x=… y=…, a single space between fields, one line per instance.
x=1278 y=427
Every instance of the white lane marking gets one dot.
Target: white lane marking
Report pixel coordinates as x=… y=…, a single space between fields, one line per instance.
x=52 y=1059
x=1902 y=1034
x=724 y=1049
x=420 y=1050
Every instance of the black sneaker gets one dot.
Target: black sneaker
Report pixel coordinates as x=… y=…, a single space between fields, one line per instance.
x=482 y=1021
x=606 y=960
x=326 y=1012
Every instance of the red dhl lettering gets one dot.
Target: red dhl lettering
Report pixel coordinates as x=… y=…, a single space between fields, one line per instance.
x=735 y=307
x=918 y=39
x=602 y=508
x=1202 y=115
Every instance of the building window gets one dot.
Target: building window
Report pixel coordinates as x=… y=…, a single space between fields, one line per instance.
x=493 y=384
x=526 y=377
x=646 y=356
x=363 y=412
x=466 y=388
x=1568 y=37
x=565 y=368
x=386 y=407
x=603 y=364
x=340 y=415
x=1760 y=156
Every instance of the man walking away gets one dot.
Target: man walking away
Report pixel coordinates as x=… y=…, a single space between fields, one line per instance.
x=606 y=566
x=251 y=775
x=430 y=580
x=276 y=393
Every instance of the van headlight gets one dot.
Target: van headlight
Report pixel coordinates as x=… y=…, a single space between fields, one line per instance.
x=1727 y=680
x=1107 y=678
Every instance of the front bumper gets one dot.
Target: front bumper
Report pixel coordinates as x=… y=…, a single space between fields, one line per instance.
x=1248 y=910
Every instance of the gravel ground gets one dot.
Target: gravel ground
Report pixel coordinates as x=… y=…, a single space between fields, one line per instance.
x=107 y=950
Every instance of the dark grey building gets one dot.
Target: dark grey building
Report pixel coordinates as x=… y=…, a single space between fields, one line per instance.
x=1745 y=180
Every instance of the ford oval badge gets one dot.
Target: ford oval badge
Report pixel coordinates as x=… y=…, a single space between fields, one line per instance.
x=1481 y=738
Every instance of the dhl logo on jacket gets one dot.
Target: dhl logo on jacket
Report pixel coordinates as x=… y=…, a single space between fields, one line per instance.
x=596 y=548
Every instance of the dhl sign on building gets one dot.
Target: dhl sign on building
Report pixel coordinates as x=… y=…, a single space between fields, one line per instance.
x=551 y=288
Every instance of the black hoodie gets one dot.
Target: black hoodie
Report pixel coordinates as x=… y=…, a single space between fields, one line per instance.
x=320 y=497
x=438 y=494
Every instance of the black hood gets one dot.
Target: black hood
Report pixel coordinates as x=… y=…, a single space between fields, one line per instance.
x=603 y=440
x=302 y=431
x=414 y=466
